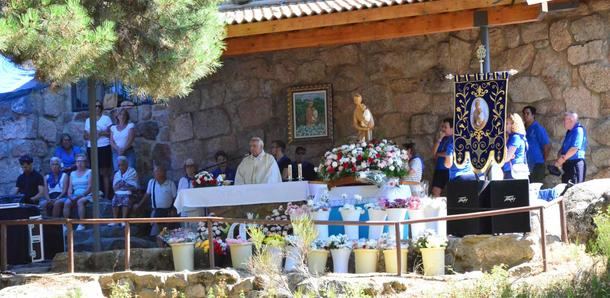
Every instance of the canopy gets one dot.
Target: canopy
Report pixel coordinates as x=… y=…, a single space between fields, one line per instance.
x=16 y=81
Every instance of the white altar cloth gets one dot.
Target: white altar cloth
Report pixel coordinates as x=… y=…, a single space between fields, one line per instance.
x=236 y=195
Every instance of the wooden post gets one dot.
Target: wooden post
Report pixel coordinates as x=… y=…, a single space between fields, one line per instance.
x=211 y=244
x=127 y=246
x=543 y=239
x=3 y=258
x=70 y=237
x=398 y=251
x=95 y=171
x=562 y=220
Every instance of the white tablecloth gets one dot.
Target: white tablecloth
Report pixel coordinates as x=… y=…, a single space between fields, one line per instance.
x=236 y=195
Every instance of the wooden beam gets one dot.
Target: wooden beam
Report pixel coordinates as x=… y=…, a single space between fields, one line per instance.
x=362 y=15
x=370 y=31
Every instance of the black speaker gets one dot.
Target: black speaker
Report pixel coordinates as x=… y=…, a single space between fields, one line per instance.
x=463 y=197
x=475 y=226
x=17 y=237
x=53 y=240
x=506 y=194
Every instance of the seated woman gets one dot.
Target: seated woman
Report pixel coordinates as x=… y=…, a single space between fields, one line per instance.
x=416 y=168
x=56 y=187
x=79 y=189
x=515 y=162
x=124 y=183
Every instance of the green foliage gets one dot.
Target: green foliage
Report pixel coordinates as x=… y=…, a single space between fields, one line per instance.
x=602 y=241
x=161 y=47
x=493 y=284
x=120 y=290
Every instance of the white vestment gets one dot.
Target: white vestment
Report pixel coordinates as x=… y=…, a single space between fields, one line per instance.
x=258 y=170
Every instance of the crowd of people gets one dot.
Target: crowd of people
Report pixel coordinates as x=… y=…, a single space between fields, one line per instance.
x=67 y=188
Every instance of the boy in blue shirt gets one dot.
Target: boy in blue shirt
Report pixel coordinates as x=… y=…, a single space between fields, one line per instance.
x=539 y=145
x=571 y=156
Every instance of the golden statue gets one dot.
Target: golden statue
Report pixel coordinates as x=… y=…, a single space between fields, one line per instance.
x=363 y=120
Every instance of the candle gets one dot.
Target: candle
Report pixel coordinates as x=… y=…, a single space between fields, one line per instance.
x=289 y=172
x=300 y=171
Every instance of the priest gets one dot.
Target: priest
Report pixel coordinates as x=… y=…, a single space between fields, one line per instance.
x=258 y=167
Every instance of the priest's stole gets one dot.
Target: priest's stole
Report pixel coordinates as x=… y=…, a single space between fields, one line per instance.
x=479 y=119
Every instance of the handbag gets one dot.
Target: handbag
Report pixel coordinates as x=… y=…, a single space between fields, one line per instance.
x=519 y=171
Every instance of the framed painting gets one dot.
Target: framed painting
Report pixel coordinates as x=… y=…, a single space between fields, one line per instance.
x=310 y=115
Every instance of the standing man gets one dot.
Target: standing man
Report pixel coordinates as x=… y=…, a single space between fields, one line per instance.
x=258 y=167
x=441 y=172
x=539 y=145
x=277 y=150
x=571 y=156
x=30 y=183
x=162 y=194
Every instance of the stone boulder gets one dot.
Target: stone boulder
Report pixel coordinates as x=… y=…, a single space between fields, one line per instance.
x=483 y=252
x=583 y=202
x=147 y=259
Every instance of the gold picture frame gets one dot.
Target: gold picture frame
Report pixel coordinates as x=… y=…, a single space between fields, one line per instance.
x=310 y=113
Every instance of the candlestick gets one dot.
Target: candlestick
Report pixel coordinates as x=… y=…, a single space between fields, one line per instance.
x=289 y=172
x=300 y=171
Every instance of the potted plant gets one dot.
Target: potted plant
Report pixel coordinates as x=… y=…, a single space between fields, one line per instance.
x=389 y=254
x=435 y=207
x=241 y=252
x=296 y=212
x=320 y=210
x=415 y=211
x=397 y=211
x=292 y=253
x=274 y=244
x=220 y=250
x=182 y=243
x=350 y=212
x=317 y=257
x=366 y=255
x=432 y=249
x=376 y=213
x=340 y=248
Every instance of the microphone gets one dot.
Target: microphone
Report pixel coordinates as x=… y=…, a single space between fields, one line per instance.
x=220 y=163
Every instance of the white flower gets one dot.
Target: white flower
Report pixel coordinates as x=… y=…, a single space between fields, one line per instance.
x=363 y=144
x=354 y=152
x=357 y=197
x=334 y=164
x=316 y=169
x=391 y=168
x=353 y=160
x=352 y=146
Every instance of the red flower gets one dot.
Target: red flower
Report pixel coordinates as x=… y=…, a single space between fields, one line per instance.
x=339 y=155
x=370 y=160
x=359 y=157
x=331 y=170
x=345 y=165
x=354 y=169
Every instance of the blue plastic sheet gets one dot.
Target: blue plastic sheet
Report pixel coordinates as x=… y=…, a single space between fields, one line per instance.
x=16 y=81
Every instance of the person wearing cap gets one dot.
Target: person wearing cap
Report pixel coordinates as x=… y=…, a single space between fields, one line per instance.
x=125 y=182
x=30 y=183
x=571 y=156
x=104 y=153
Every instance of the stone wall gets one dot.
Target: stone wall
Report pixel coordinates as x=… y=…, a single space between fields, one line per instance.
x=563 y=65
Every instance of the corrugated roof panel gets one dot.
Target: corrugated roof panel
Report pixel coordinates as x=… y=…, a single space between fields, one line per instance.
x=305 y=9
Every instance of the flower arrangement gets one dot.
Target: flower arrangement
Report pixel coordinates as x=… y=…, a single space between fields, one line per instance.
x=319 y=244
x=204 y=179
x=339 y=241
x=374 y=206
x=177 y=236
x=350 y=207
x=274 y=241
x=220 y=247
x=414 y=203
x=277 y=214
x=296 y=211
x=347 y=160
x=385 y=242
x=320 y=205
x=218 y=230
x=366 y=244
x=387 y=204
x=430 y=240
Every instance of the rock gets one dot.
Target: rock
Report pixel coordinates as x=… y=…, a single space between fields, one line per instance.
x=348 y=78
x=212 y=95
x=161 y=154
x=147 y=129
x=211 y=123
x=601 y=133
x=582 y=101
x=589 y=28
x=4 y=150
x=528 y=90
x=461 y=53
x=412 y=103
x=511 y=36
x=229 y=277
x=243 y=286
x=145 y=280
x=601 y=157
x=31 y=147
x=181 y=128
x=596 y=76
x=559 y=35
x=177 y=280
x=341 y=55
x=47 y=130
x=54 y=104
x=591 y=51
x=583 y=202
x=194 y=149
x=534 y=31
x=254 y=113
x=189 y=103
x=23 y=106
x=552 y=66
x=148 y=293
x=61 y=286
x=602 y=174
x=395 y=124
x=311 y=72
x=196 y=291
x=519 y=58
x=424 y=124
x=483 y=252
x=144 y=112
x=19 y=127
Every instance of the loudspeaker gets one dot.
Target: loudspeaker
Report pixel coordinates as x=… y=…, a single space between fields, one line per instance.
x=463 y=197
x=506 y=194
x=17 y=237
x=53 y=240
x=464 y=227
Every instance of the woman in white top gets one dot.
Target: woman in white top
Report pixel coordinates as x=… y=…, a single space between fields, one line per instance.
x=56 y=183
x=122 y=136
x=416 y=169
x=79 y=190
x=104 y=153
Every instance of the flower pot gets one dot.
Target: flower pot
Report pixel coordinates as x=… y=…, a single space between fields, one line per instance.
x=340 y=259
x=366 y=260
x=316 y=261
x=351 y=215
x=439 y=227
x=322 y=229
x=434 y=261
x=389 y=257
x=240 y=255
x=276 y=256
x=419 y=228
x=292 y=258
x=184 y=256
x=376 y=215
x=393 y=190
x=396 y=214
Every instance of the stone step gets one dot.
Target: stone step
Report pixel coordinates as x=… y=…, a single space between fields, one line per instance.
x=113 y=243
x=107 y=231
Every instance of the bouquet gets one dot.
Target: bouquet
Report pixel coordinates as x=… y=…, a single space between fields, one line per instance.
x=430 y=240
x=296 y=211
x=274 y=241
x=339 y=241
x=350 y=207
x=177 y=236
x=204 y=179
x=347 y=160
x=398 y=203
x=217 y=230
x=366 y=244
x=277 y=214
x=220 y=247
x=319 y=244
x=414 y=203
x=385 y=242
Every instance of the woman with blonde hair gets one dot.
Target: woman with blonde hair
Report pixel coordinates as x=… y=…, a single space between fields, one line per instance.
x=515 y=162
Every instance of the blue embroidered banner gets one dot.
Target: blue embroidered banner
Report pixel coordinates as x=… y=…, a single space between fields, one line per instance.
x=479 y=119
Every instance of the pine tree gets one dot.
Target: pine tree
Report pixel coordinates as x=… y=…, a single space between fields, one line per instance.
x=159 y=47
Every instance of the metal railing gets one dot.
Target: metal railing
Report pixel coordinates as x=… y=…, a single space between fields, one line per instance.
x=210 y=220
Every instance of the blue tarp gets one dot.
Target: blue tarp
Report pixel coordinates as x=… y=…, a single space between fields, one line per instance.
x=16 y=81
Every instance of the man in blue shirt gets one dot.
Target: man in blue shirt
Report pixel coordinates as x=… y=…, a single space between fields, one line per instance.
x=539 y=145
x=571 y=156
x=441 y=173
x=456 y=173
